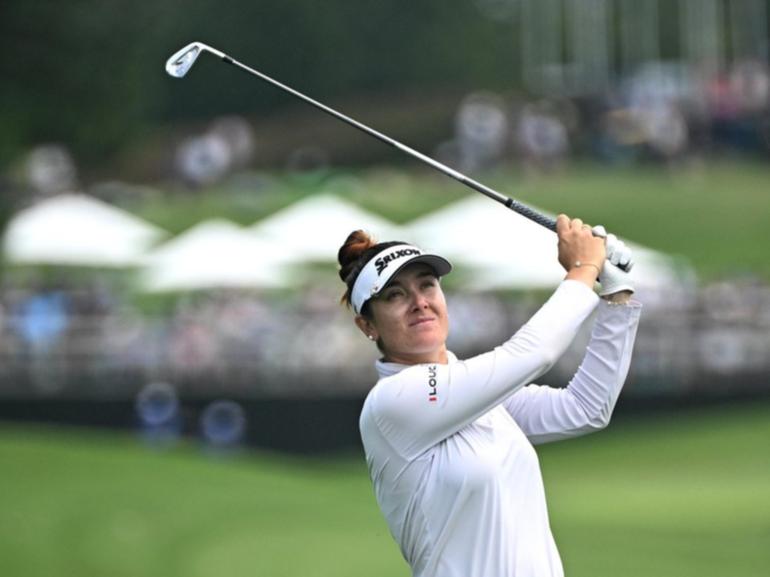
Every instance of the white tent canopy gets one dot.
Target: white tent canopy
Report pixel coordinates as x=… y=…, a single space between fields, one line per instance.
x=479 y=234
x=508 y=251
x=79 y=230
x=215 y=254
x=313 y=229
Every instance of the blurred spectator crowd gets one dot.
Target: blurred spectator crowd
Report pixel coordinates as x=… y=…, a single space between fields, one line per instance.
x=665 y=112
x=85 y=342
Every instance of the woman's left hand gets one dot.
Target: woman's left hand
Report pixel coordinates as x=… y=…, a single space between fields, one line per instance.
x=615 y=281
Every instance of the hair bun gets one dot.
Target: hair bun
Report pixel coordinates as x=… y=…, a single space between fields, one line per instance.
x=351 y=250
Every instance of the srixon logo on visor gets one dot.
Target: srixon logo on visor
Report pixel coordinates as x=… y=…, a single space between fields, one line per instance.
x=383 y=262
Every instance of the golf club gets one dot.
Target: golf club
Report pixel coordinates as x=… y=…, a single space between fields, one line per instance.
x=180 y=63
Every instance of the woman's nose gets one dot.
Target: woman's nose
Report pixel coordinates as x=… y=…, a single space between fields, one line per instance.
x=419 y=301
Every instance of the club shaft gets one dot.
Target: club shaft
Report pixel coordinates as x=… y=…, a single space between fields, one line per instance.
x=514 y=205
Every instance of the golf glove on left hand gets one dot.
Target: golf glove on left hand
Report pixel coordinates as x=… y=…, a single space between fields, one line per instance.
x=612 y=278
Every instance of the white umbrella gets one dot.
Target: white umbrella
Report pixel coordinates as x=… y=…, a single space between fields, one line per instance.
x=314 y=228
x=480 y=235
x=215 y=254
x=76 y=229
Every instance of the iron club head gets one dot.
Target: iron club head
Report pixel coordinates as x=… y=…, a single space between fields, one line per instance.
x=181 y=62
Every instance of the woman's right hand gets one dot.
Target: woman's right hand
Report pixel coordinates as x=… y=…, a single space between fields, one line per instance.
x=580 y=252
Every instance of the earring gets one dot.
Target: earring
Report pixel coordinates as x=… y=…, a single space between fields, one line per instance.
x=371 y=337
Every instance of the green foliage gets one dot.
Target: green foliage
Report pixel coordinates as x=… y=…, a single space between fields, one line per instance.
x=74 y=72
x=685 y=494
x=90 y=74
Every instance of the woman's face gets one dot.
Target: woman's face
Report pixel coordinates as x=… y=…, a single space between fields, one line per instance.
x=409 y=317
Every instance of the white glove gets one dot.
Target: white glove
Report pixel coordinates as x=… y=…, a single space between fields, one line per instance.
x=612 y=278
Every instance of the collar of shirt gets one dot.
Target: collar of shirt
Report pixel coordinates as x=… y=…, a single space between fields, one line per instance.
x=386 y=369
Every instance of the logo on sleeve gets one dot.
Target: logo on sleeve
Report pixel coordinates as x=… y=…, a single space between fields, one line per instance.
x=432 y=392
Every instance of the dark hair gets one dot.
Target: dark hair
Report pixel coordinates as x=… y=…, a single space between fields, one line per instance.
x=358 y=249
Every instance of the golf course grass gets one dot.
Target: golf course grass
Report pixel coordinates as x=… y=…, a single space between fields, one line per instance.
x=668 y=494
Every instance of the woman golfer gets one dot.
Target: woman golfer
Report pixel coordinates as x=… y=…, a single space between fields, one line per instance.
x=449 y=443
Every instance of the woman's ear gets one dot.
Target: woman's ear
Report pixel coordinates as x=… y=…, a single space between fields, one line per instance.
x=367 y=327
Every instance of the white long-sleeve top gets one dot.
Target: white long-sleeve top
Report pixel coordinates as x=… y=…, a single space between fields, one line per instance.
x=450 y=447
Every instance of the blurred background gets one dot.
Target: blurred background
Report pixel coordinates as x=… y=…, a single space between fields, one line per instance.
x=179 y=386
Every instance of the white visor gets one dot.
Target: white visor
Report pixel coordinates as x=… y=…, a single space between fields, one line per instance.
x=380 y=269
